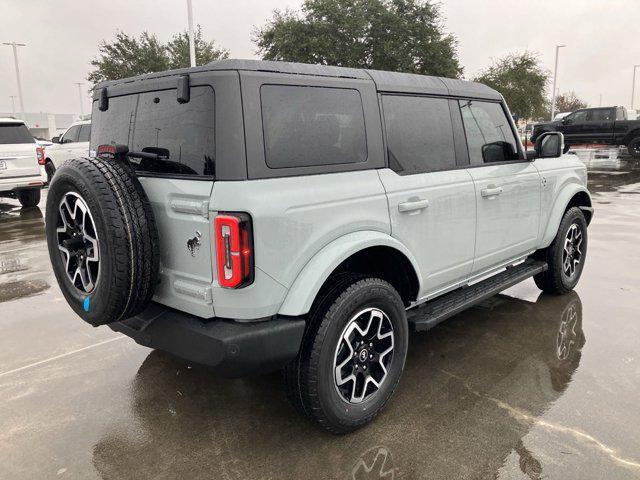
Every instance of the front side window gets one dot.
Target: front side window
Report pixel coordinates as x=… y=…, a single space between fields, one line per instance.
x=13 y=133
x=71 y=135
x=488 y=131
x=577 y=117
x=312 y=126
x=181 y=134
x=419 y=134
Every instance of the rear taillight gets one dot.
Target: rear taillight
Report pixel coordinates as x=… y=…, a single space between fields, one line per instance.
x=234 y=249
x=40 y=154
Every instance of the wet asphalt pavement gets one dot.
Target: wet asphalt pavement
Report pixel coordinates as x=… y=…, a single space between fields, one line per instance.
x=523 y=386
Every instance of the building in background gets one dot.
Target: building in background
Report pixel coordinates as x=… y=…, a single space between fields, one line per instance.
x=46 y=125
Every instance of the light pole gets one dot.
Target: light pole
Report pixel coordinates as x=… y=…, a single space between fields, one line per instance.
x=555 y=78
x=15 y=61
x=80 y=98
x=633 y=84
x=13 y=105
x=192 y=43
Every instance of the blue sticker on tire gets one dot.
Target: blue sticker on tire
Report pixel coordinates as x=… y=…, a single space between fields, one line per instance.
x=86 y=304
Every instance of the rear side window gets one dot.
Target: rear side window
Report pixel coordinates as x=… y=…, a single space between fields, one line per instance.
x=312 y=126
x=419 y=134
x=488 y=131
x=181 y=133
x=11 y=133
x=85 y=133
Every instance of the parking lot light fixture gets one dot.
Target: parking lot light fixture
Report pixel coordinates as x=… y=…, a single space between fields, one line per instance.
x=555 y=78
x=15 y=46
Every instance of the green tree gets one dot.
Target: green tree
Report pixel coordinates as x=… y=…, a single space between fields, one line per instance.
x=178 y=50
x=396 y=35
x=522 y=81
x=127 y=56
x=569 y=102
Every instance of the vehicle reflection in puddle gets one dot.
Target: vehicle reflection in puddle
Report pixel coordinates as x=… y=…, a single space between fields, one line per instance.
x=461 y=381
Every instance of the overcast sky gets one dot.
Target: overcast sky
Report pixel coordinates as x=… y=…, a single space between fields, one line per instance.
x=62 y=36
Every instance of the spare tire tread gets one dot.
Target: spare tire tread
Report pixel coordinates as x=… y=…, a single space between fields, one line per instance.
x=116 y=196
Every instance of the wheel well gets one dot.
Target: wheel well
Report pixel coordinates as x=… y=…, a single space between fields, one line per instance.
x=386 y=263
x=631 y=136
x=581 y=199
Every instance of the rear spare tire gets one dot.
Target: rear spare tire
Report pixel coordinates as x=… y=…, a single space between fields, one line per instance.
x=102 y=239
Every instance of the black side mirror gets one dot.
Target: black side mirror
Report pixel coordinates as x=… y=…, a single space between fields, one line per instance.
x=56 y=139
x=549 y=145
x=499 y=151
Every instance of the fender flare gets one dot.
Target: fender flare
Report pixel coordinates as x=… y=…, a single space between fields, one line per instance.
x=558 y=209
x=307 y=284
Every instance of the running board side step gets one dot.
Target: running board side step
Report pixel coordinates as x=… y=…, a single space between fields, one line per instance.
x=435 y=311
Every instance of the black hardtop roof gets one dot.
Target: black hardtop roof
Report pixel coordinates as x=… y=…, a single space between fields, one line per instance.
x=385 y=81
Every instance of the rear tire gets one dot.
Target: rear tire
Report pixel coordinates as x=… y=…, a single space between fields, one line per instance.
x=107 y=271
x=634 y=148
x=565 y=256
x=29 y=198
x=316 y=384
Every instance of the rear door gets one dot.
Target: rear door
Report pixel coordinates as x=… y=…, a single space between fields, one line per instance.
x=17 y=151
x=507 y=187
x=431 y=199
x=599 y=124
x=198 y=141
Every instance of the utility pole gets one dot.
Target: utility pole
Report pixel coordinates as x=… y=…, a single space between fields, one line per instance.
x=15 y=62
x=80 y=98
x=633 y=85
x=555 y=79
x=600 y=100
x=13 y=105
x=192 y=41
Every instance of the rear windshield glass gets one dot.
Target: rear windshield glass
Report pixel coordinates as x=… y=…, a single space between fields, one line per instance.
x=182 y=134
x=311 y=126
x=14 y=133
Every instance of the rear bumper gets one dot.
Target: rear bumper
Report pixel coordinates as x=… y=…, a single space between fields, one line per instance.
x=234 y=349
x=10 y=184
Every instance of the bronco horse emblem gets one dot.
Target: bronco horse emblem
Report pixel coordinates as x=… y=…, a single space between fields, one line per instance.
x=193 y=244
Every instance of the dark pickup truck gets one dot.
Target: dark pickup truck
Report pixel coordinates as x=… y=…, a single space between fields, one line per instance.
x=605 y=125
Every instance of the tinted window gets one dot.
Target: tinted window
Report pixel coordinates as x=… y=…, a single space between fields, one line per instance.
x=419 y=134
x=488 y=132
x=85 y=133
x=71 y=135
x=309 y=126
x=578 y=117
x=181 y=133
x=600 y=115
x=11 y=133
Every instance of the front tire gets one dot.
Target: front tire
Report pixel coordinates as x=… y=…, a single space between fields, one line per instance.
x=565 y=256
x=352 y=354
x=29 y=198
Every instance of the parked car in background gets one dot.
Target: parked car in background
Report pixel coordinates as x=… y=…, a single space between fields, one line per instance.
x=71 y=144
x=21 y=160
x=44 y=143
x=605 y=125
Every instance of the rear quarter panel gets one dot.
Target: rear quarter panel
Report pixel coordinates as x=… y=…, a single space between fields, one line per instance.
x=293 y=219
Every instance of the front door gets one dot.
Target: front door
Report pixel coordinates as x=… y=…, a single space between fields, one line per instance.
x=507 y=187
x=431 y=201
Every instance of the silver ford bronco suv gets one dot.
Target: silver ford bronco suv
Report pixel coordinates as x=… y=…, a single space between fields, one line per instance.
x=253 y=216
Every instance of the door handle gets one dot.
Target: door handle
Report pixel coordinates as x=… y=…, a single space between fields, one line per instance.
x=491 y=191
x=413 y=205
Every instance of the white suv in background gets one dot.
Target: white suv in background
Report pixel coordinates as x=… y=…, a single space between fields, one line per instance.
x=21 y=174
x=71 y=144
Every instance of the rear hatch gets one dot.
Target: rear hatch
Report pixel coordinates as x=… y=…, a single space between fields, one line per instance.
x=18 y=156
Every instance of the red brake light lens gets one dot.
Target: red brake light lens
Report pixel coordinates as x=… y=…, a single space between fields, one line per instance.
x=234 y=249
x=40 y=154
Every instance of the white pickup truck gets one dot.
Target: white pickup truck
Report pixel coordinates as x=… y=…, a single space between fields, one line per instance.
x=73 y=143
